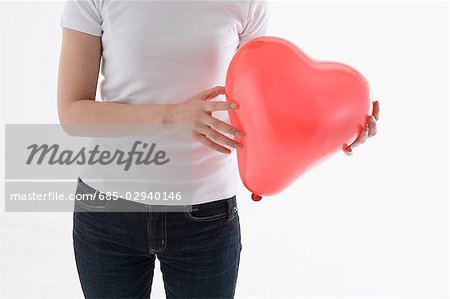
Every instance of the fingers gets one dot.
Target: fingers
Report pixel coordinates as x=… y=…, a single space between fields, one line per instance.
x=205 y=127
x=219 y=105
x=211 y=106
x=218 y=137
x=211 y=93
x=376 y=110
x=222 y=126
x=372 y=125
x=361 y=138
x=209 y=143
x=369 y=131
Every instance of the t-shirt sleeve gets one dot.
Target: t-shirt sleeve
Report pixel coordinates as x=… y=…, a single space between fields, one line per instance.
x=257 y=21
x=83 y=15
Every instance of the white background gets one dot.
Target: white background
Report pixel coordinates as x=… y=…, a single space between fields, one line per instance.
x=371 y=225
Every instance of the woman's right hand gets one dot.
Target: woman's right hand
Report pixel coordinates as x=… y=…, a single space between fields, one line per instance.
x=197 y=112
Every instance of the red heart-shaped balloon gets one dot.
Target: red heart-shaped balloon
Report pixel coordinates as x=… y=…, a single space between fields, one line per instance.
x=294 y=111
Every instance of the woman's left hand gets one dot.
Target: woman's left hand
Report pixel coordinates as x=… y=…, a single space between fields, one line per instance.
x=366 y=132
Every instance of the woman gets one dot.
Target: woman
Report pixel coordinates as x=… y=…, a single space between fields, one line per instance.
x=160 y=61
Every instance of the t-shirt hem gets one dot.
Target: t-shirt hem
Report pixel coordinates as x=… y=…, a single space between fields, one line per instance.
x=197 y=197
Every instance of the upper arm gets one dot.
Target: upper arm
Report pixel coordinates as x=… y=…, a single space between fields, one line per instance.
x=257 y=21
x=79 y=66
x=80 y=55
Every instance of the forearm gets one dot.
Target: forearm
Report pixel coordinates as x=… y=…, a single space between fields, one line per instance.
x=92 y=112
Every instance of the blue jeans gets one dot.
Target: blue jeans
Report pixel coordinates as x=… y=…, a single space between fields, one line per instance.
x=115 y=252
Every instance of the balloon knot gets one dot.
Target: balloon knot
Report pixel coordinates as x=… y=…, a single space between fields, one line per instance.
x=256 y=197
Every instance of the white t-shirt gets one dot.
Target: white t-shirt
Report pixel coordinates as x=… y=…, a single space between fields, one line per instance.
x=157 y=52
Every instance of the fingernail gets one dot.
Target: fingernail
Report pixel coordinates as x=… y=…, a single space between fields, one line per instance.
x=239 y=134
x=237 y=145
x=233 y=106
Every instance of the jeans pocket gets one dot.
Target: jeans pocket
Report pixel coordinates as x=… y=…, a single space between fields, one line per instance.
x=213 y=211
x=87 y=199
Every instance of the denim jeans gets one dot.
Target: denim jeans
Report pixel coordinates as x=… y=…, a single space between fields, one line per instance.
x=115 y=252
